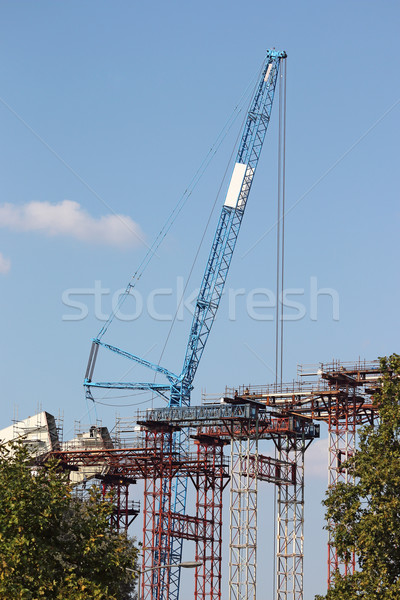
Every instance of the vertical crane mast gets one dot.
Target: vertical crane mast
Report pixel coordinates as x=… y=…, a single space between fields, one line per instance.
x=178 y=388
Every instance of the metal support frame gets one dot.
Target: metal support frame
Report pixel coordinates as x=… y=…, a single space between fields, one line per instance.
x=342 y=397
x=243 y=518
x=162 y=525
x=160 y=462
x=342 y=446
x=244 y=425
x=178 y=489
x=157 y=517
x=125 y=512
x=290 y=521
x=210 y=481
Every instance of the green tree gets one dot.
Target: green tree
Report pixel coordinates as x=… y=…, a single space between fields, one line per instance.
x=54 y=546
x=364 y=517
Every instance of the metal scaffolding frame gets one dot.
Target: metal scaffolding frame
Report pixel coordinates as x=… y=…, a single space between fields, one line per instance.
x=242 y=423
x=342 y=446
x=207 y=468
x=290 y=521
x=156 y=460
x=157 y=515
x=243 y=518
x=347 y=402
x=209 y=482
x=116 y=487
x=342 y=397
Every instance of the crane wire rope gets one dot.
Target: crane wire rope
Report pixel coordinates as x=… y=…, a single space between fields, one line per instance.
x=280 y=237
x=180 y=205
x=283 y=204
x=124 y=405
x=280 y=271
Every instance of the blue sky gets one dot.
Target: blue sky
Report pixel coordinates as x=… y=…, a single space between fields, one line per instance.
x=109 y=108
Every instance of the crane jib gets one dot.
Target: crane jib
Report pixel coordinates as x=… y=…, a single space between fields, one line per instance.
x=211 y=289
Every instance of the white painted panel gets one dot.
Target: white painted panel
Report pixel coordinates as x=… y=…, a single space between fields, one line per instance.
x=249 y=179
x=268 y=72
x=235 y=185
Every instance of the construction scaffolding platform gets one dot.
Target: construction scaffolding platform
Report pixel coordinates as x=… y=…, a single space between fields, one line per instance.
x=145 y=448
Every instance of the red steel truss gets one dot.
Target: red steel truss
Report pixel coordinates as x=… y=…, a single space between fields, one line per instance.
x=208 y=472
x=157 y=514
x=342 y=398
x=271 y=469
x=346 y=406
x=209 y=483
x=155 y=461
x=342 y=424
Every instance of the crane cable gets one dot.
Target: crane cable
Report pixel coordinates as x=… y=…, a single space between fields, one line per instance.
x=180 y=204
x=280 y=237
x=280 y=271
x=283 y=204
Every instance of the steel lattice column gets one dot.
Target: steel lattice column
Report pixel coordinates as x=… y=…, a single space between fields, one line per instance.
x=243 y=519
x=290 y=515
x=209 y=483
x=157 y=519
x=342 y=445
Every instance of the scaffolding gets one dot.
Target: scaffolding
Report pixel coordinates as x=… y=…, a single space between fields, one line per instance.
x=243 y=518
x=290 y=521
x=157 y=513
x=242 y=422
x=338 y=394
x=116 y=489
x=210 y=480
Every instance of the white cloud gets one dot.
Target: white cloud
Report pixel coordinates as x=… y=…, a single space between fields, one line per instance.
x=316 y=460
x=68 y=218
x=5 y=265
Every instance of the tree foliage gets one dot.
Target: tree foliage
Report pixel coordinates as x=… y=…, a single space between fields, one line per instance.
x=364 y=517
x=55 y=546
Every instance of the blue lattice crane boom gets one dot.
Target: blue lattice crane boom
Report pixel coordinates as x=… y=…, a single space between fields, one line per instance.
x=230 y=219
x=219 y=260
x=177 y=388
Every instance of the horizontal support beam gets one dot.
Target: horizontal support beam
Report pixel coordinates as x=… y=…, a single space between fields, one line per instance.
x=187 y=527
x=269 y=469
